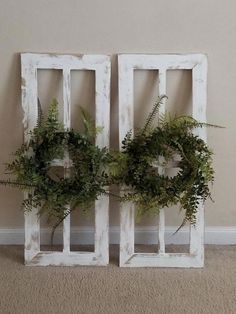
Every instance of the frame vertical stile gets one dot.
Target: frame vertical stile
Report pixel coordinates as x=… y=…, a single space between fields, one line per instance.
x=127 y=64
x=161 y=229
x=102 y=88
x=199 y=113
x=101 y=65
x=126 y=124
x=66 y=231
x=67 y=124
x=29 y=96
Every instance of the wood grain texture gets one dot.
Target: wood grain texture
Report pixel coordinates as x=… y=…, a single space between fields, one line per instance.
x=127 y=64
x=30 y=63
x=161 y=171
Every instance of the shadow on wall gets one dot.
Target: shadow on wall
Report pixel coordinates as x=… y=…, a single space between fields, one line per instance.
x=179 y=91
x=11 y=113
x=114 y=119
x=11 y=137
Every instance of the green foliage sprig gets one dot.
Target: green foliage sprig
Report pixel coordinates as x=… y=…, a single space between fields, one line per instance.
x=139 y=167
x=49 y=189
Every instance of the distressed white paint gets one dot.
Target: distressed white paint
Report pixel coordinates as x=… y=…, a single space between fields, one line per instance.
x=161 y=229
x=127 y=64
x=47 y=258
x=30 y=63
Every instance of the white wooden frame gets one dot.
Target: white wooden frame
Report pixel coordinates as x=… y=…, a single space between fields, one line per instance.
x=127 y=63
x=30 y=63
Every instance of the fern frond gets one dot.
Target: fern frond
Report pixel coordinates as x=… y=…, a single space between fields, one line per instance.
x=53 y=112
x=16 y=184
x=127 y=138
x=154 y=112
x=162 y=119
x=186 y=122
x=40 y=114
x=89 y=124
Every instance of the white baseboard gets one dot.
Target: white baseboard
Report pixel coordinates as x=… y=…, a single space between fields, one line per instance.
x=143 y=235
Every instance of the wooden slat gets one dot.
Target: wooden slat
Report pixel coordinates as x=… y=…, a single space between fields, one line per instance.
x=161 y=229
x=126 y=232
x=66 y=234
x=66 y=161
x=159 y=61
x=60 y=61
x=66 y=221
x=126 y=98
x=65 y=259
x=29 y=95
x=66 y=98
x=102 y=102
x=61 y=163
x=126 y=123
x=182 y=260
x=102 y=229
x=29 y=105
x=32 y=234
x=102 y=114
x=199 y=113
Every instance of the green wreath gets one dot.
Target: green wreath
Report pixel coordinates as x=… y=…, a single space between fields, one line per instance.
x=49 y=190
x=137 y=167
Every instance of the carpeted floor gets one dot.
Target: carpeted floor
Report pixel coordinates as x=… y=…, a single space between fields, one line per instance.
x=108 y=290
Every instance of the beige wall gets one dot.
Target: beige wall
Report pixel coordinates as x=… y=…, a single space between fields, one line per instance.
x=111 y=27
